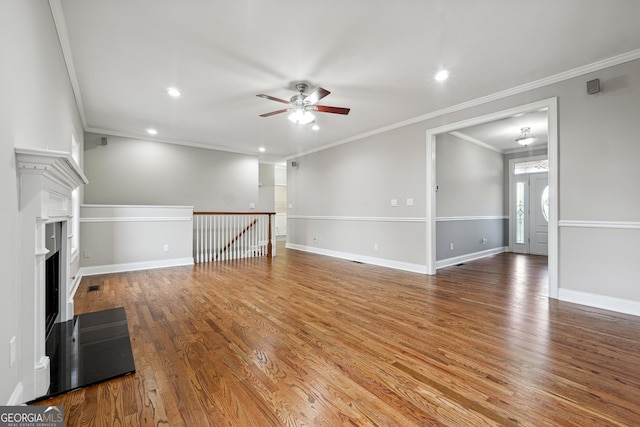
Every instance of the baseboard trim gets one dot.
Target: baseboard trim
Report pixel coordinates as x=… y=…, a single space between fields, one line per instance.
x=397 y=265
x=470 y=257
x=17 y=397
x=134 y=266
x=600 y=301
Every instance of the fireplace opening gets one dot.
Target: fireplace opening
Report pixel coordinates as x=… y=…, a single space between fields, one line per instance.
x=53 y=234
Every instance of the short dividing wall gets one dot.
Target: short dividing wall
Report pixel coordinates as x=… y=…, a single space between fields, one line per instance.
x=129 y=237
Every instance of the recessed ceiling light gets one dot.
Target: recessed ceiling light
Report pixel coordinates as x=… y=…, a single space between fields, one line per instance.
x=172 y=91
x=315 y=127
x=262 y=149
x=152 y=131
x=442 y=75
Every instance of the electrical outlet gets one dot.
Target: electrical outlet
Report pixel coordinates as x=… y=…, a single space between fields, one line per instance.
x=484 y=240
x=394 y=202
x=166 y=248
x=409 y=202
x=375 y=246
x=451 y=247
x=12 y=351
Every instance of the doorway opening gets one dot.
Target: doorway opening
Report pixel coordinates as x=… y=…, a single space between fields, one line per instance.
x=550 y=107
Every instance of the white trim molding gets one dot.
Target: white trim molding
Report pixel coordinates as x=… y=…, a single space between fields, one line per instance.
x=471 y=218
x=134 y=266
x=136 y=219
x=16 y=397
x=398 y=265
x=475 y=141
x=622 y=225
x=600 y=301
x=470 y=257
x=357 y=218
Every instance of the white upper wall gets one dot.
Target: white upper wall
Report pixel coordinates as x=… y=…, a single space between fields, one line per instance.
x=37 y=110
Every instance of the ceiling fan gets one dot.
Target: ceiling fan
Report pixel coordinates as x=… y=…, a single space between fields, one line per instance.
x=302 y=105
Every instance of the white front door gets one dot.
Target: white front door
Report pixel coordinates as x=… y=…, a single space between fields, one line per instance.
x=530 y=213
x=539 y=214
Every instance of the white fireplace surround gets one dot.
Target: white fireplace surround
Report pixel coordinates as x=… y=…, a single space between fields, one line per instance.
x=46 y=181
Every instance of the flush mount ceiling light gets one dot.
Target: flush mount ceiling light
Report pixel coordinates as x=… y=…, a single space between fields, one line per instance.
x=525 y=137
x=152 y=131
x=174 y=92
x=301 y=117
x=315 y=127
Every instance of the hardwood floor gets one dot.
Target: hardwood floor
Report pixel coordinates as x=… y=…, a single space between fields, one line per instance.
x=308 y=340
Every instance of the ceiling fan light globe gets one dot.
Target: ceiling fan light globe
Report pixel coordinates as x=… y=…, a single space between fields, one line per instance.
x=301 y=117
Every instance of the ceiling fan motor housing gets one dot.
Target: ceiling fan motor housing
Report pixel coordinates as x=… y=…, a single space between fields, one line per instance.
x=298 y=99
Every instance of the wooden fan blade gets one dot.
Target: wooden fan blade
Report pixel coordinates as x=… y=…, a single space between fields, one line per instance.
x=262 y=95
x=327 y=109
x=316 y=96
x=273 y=113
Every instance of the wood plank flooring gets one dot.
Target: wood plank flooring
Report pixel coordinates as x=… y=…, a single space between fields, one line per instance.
x=307 y=340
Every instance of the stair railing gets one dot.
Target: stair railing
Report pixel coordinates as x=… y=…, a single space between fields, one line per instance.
x=222 y=236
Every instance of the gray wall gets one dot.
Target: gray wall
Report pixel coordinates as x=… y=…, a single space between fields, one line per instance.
x=122 y=238
x=470 y=179
x=598 y=177
x=467 y=237
x=267 y=196
x=342 y=198
x=37 y=110
x=137 y=172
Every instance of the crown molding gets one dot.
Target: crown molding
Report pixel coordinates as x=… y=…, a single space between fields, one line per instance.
x=546 y=81
x=107 y=132
x=65 y=45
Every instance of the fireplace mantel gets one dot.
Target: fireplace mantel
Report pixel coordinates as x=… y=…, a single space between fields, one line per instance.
x=57 y=166
x=47 y=179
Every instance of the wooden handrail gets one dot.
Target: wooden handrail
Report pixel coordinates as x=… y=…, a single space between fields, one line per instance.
x=235 y=239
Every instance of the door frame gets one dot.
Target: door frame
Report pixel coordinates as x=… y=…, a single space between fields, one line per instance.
x=512 y=182
x=551 y=104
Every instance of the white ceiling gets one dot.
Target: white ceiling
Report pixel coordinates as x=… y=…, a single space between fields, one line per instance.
x=376 y=57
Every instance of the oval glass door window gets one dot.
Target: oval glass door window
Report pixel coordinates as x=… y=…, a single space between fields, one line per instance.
x=544 y=203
